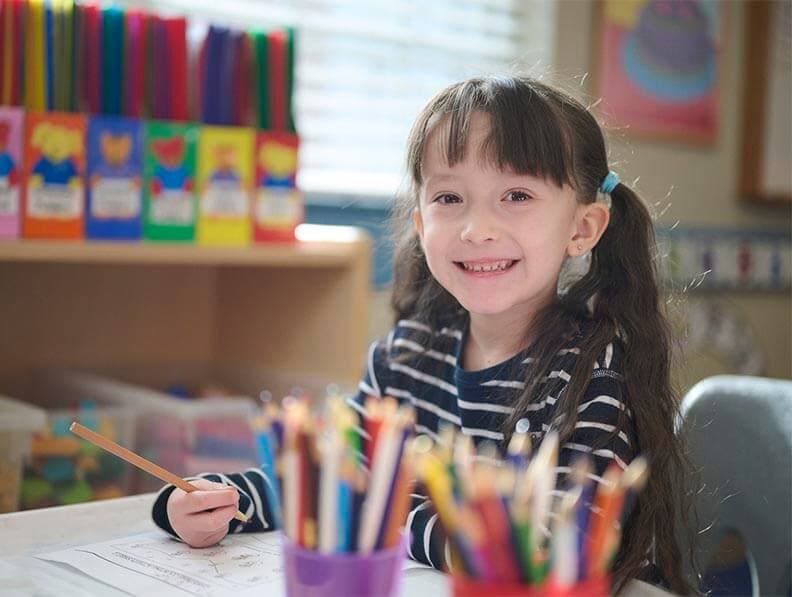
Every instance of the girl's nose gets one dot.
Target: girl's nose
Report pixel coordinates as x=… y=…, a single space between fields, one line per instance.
x=479 y=228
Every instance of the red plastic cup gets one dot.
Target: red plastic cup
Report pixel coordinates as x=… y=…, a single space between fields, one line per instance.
x=471 y=587
x=313 y=574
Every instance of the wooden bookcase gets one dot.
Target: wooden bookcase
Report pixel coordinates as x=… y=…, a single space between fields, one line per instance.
x=297 y=310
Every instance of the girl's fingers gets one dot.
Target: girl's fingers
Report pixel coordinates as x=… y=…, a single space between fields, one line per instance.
x=201 y=500
x=213 y=520
x=206 y=484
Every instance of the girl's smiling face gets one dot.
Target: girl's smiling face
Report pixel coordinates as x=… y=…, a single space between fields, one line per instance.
x=494 y=239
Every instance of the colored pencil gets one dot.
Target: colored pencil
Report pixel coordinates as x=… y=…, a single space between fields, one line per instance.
x=384 y=469
x=565 y=544
x=330 y=452
x=490 y=508
x=266 y=450
x=604 y=512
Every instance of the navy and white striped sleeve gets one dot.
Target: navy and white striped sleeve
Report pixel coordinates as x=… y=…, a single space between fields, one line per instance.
x=374 y=379
x=253 y=501
x=428 y=542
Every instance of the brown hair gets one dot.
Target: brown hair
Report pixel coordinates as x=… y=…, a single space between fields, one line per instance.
x=538 y=130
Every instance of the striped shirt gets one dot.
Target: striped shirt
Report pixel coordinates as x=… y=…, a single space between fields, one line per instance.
x=420 y=366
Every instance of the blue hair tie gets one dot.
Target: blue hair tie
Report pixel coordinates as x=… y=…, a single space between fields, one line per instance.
x=609 y=183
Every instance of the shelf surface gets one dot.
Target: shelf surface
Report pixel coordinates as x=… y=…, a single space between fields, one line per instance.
x=320 y=246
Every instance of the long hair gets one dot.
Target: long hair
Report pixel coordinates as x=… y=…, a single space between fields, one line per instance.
x=538 y=130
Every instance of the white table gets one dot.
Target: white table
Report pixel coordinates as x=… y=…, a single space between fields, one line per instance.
x=25 y=534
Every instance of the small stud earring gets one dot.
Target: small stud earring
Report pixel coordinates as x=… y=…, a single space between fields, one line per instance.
x=580 y=248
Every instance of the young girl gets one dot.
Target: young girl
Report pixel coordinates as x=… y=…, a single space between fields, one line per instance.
x=510 y=186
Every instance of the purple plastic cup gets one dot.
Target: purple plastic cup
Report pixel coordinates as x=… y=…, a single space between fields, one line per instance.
x=313 y=574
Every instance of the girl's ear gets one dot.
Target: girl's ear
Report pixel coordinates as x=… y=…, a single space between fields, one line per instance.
x=418 y=222
x=591 y=221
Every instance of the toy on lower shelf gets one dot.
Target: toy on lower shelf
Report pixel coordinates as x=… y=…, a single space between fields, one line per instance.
x=62 y=470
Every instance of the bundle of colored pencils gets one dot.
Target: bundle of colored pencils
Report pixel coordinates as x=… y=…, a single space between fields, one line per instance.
x=505 y=521
x=337 y=487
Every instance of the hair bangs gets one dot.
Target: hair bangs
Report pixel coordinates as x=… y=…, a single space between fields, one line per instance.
x=526 y=135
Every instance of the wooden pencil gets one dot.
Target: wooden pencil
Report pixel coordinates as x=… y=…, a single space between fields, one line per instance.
x=138 y=461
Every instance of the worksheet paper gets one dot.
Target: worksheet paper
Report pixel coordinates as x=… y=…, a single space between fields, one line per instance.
x=155 y=564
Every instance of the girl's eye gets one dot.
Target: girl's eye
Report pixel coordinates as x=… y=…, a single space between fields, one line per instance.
x=447 y=198
x=517 y=196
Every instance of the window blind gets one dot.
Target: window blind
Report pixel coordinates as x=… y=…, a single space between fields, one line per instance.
x=366 y=67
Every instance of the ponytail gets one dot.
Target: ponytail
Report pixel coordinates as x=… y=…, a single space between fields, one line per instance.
x=622 y=283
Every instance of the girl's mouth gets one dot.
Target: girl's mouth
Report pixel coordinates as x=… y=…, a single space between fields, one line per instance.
x=486 y=267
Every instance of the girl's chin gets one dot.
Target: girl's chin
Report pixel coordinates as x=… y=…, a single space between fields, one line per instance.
x=485 y=307
x=492 y=306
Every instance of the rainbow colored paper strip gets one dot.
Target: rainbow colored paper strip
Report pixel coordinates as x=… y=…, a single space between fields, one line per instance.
x=115 y=156
x=169 y=181
x=53 y=195
x=12 y=48
x=35 y=74
x=12 y=121
x=225 y=176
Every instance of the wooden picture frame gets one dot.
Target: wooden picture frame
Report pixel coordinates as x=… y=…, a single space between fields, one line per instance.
x=766 y=155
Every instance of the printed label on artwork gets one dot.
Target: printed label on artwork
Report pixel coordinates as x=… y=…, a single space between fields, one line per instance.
x=9 y=198
x=115 y=198
x=225 y=200
x=55 y=201
x=173 y=208
x=278 y=208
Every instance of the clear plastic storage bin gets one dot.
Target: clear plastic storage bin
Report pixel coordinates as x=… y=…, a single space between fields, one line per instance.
x=18 y=422
x=64 y=469
x=176 y=429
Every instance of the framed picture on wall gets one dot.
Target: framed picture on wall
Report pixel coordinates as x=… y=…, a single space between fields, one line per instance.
x=766 y=156
x=657 y=67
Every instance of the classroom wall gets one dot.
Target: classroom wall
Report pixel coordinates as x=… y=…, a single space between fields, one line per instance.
x=700 y=183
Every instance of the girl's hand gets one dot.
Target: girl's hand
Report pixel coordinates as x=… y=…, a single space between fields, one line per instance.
x=200 y=518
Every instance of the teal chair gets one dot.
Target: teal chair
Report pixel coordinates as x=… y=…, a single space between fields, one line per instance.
x=739 y=435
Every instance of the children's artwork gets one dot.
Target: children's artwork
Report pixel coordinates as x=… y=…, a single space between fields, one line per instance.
x=53 y=197
x=115 y=154
x=154 y=564
x=658 y=66
x=225 y=176
x=169 y=174
x=279 y=204
x=11 y=130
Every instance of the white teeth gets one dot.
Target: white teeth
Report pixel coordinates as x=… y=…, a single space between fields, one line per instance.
x=487 y=267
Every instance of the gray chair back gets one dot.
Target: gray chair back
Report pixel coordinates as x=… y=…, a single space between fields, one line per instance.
x=739 y=434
